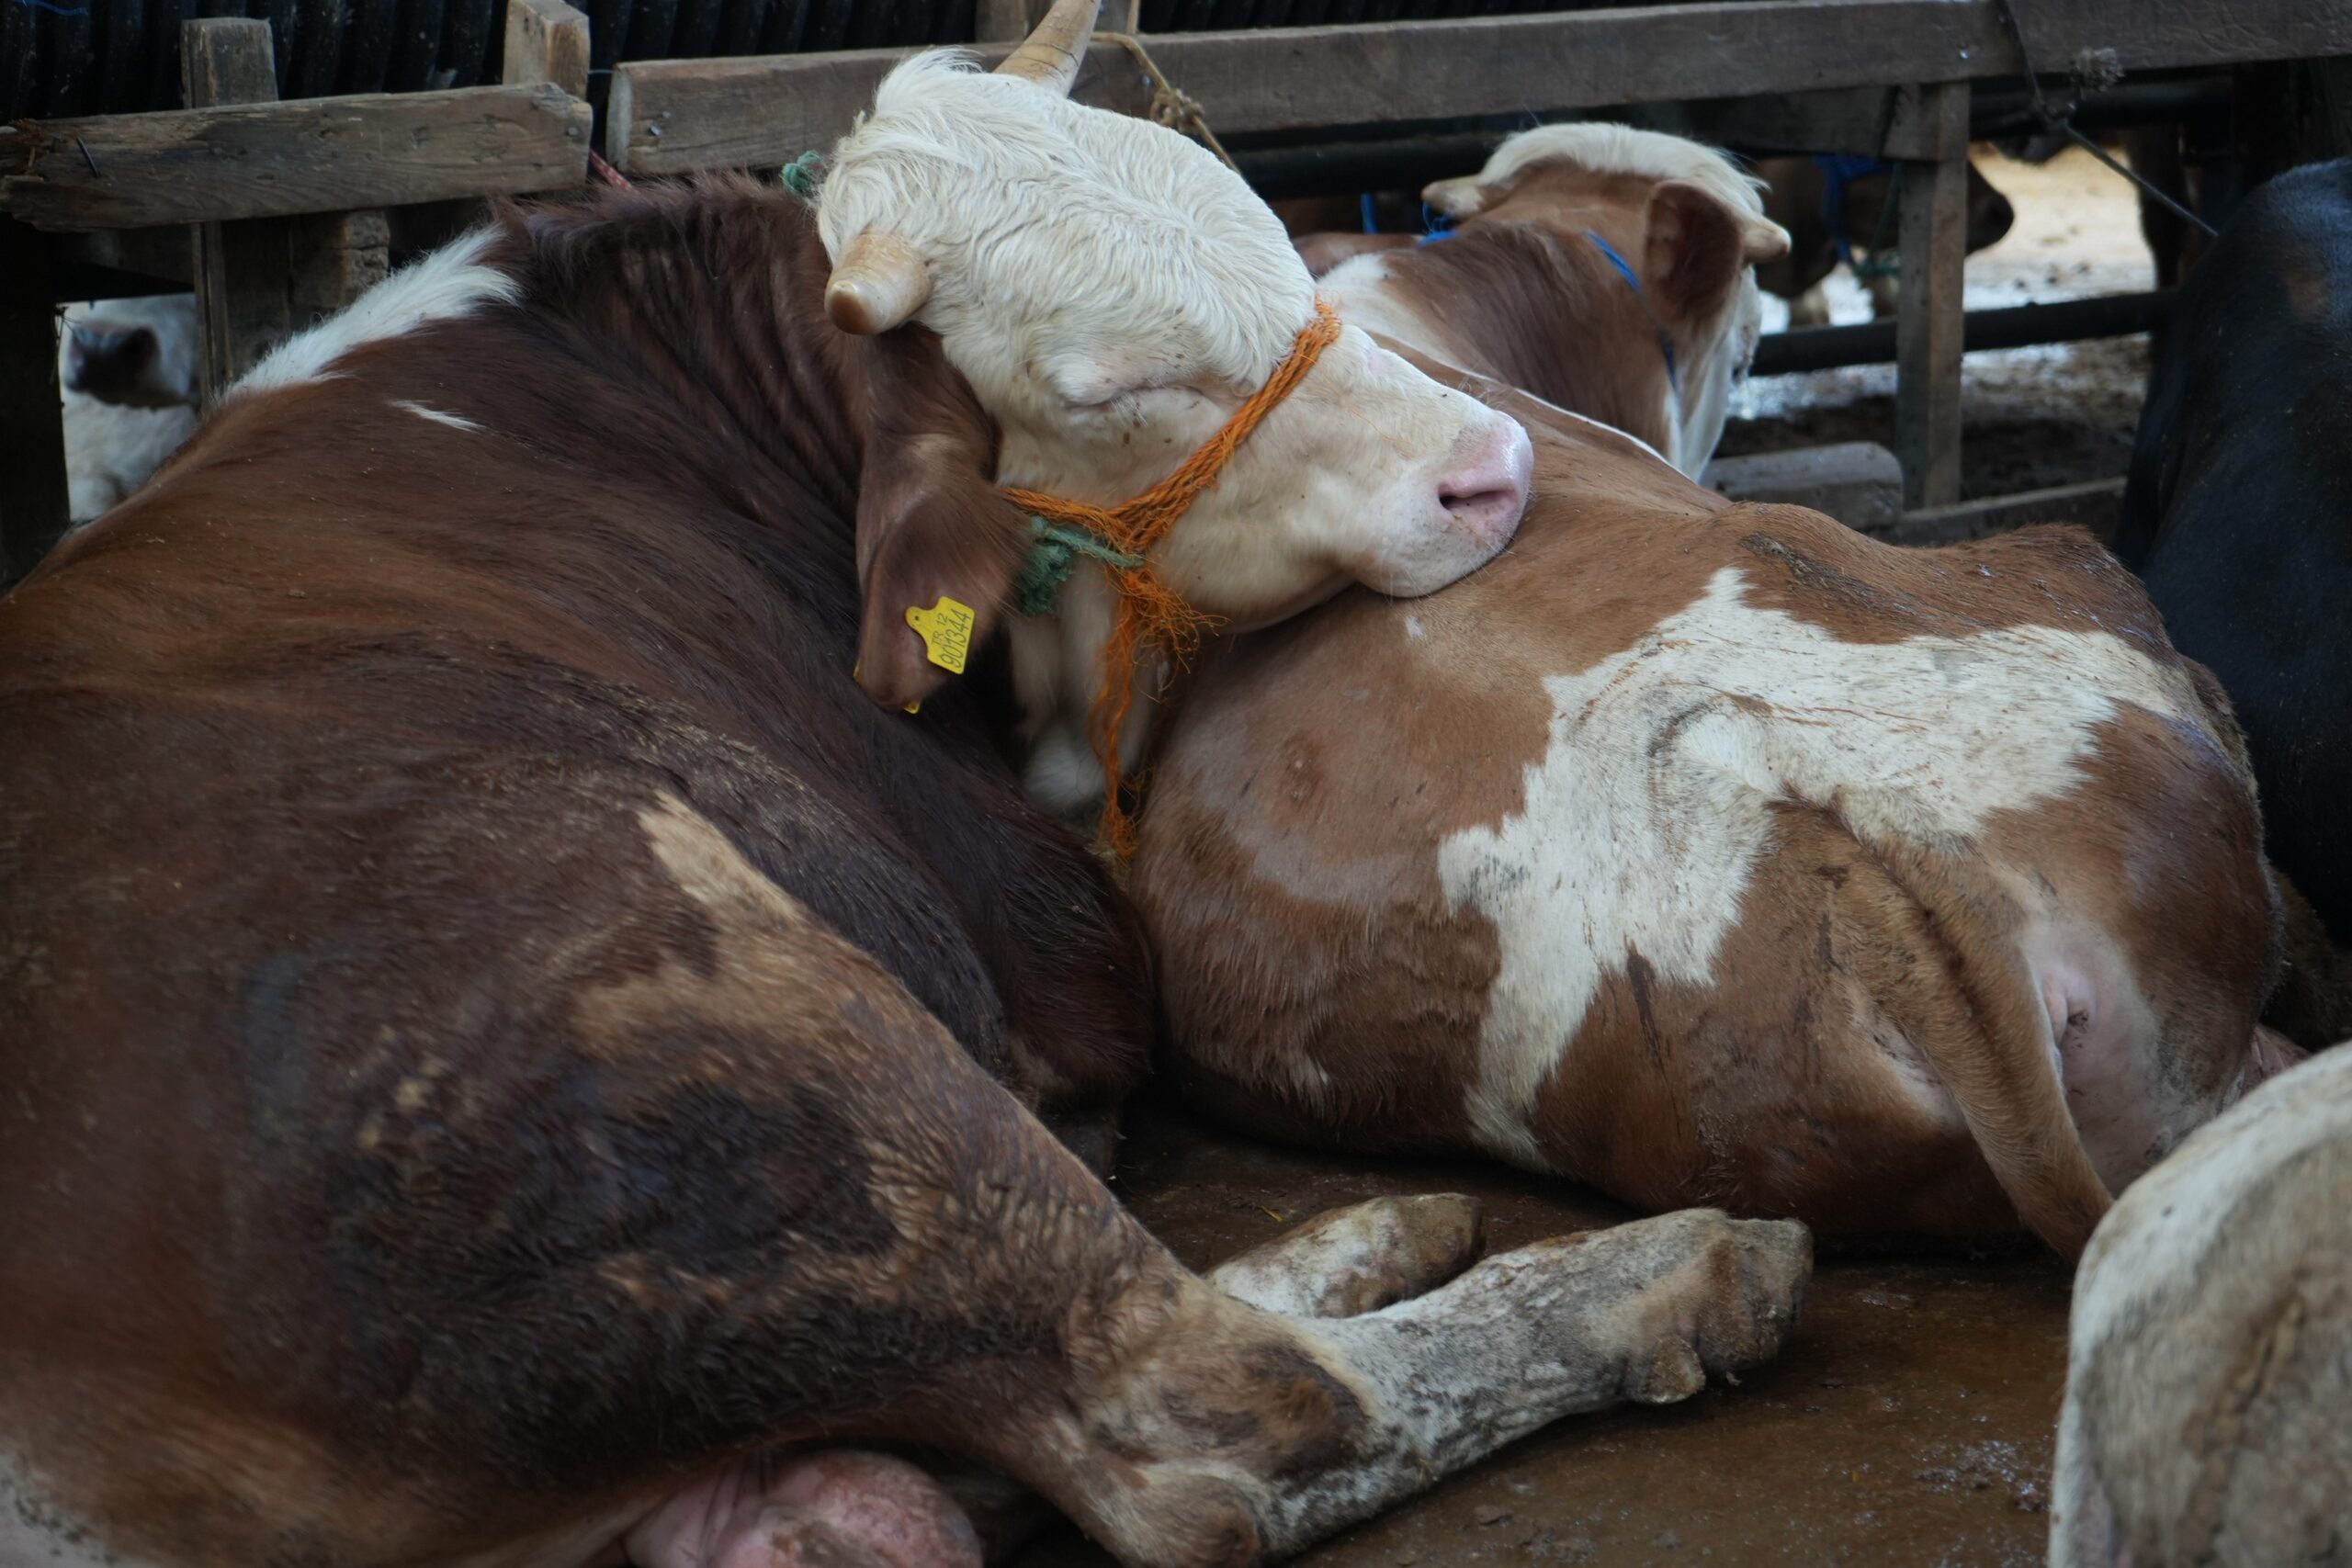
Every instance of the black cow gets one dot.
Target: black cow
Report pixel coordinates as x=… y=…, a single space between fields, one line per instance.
x=2239 y=511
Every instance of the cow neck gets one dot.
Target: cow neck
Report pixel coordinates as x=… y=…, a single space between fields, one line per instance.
x=1149 y=616
x=716 y=298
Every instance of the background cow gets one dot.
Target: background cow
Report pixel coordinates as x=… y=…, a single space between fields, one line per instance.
x=1841 y=209
x=1714 y=852
x=2208 y=1376
x=1604 y=269
x=128 y=368
x=507 y=1047
x=2234 y=514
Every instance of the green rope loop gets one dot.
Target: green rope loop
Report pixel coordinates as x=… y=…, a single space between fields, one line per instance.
x=1053 y=553
x=799 y=177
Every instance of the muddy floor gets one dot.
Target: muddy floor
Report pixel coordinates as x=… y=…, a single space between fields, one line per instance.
x=2032 y=417
x=1908 y=1421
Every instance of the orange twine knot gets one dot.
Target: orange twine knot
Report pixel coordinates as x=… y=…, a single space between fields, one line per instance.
x=1151 y=613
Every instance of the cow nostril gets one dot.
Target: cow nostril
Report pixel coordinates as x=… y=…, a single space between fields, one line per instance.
x=1468 y=504
x=1488 y=493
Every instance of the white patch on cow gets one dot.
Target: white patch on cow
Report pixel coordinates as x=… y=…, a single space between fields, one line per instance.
x=438 y=416
x=1652 y=804
x=1414 y=630
x=450 y=283
x=2163 y=1227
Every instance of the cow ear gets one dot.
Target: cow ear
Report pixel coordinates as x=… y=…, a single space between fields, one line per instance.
x=1695 y=250
x=1461 y=197
x=931 y=526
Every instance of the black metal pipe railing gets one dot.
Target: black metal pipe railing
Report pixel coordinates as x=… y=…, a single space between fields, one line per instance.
x=2018 y=326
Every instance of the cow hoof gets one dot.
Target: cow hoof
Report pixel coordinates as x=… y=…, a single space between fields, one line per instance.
x=1360 y=1259
x=1725 y=1308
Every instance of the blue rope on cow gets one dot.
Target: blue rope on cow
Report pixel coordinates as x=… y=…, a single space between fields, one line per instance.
x=1633 y=281
x=1840 y=170
x=1054 y=552
x=1370 y=220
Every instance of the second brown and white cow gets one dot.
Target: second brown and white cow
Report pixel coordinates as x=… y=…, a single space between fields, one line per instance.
x=1713 y=853
x=1603 y=268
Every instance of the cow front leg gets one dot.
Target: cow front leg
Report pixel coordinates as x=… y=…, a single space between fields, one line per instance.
x=1211 y=1432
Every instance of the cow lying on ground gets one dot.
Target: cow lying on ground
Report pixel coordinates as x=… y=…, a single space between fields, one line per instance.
x=1713 y=853
x=2208 y=1372
x=1604 y=269
x=1841 y=210
x=506 y=1047
x=128 y=368
x=2234 y=514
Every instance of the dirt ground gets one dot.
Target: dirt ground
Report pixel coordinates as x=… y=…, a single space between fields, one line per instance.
x=2032 y=417
x=1908 y=1421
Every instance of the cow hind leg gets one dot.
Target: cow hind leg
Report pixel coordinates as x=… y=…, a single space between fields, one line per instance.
x=1217 y=1432
x=859 y=1238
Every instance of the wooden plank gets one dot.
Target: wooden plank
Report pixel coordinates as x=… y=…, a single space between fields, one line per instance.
x=33 y=501
x=240 y=266
x=2095 y=504
x=682 y=115
x=1837 y=119
x=1929 y=328
x=546 y=40
x=309 y=155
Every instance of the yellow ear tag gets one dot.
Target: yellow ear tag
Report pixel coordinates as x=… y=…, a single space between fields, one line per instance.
x=946 y=632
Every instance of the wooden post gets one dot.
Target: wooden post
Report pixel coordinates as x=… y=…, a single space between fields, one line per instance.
x=546 y=40
x=260 y=280
x=239 y=267
x=1930 y=134
x=32 y=420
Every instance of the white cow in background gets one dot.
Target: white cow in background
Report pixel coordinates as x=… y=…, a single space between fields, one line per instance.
x=128 y=368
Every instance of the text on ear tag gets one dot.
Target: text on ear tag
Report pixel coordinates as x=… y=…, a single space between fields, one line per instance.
x=946 y=632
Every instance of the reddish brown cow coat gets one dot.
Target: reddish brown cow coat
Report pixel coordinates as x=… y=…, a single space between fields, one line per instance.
x=1717 y=853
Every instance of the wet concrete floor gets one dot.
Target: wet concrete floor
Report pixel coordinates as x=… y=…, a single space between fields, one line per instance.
x=1908 y=1421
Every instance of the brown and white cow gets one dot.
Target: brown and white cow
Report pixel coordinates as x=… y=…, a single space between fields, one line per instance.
x=513 y=1059
x=2211 y=1355
x=1713 y=853
x=1605 y=269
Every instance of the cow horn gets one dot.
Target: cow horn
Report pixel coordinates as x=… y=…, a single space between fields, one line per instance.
x=877 y=284
x=1050 y=54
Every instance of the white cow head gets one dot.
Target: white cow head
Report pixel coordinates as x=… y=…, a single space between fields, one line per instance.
x=1113 y=294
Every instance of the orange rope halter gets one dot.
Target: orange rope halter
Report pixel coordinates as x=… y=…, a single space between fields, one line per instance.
x=1151 y=611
